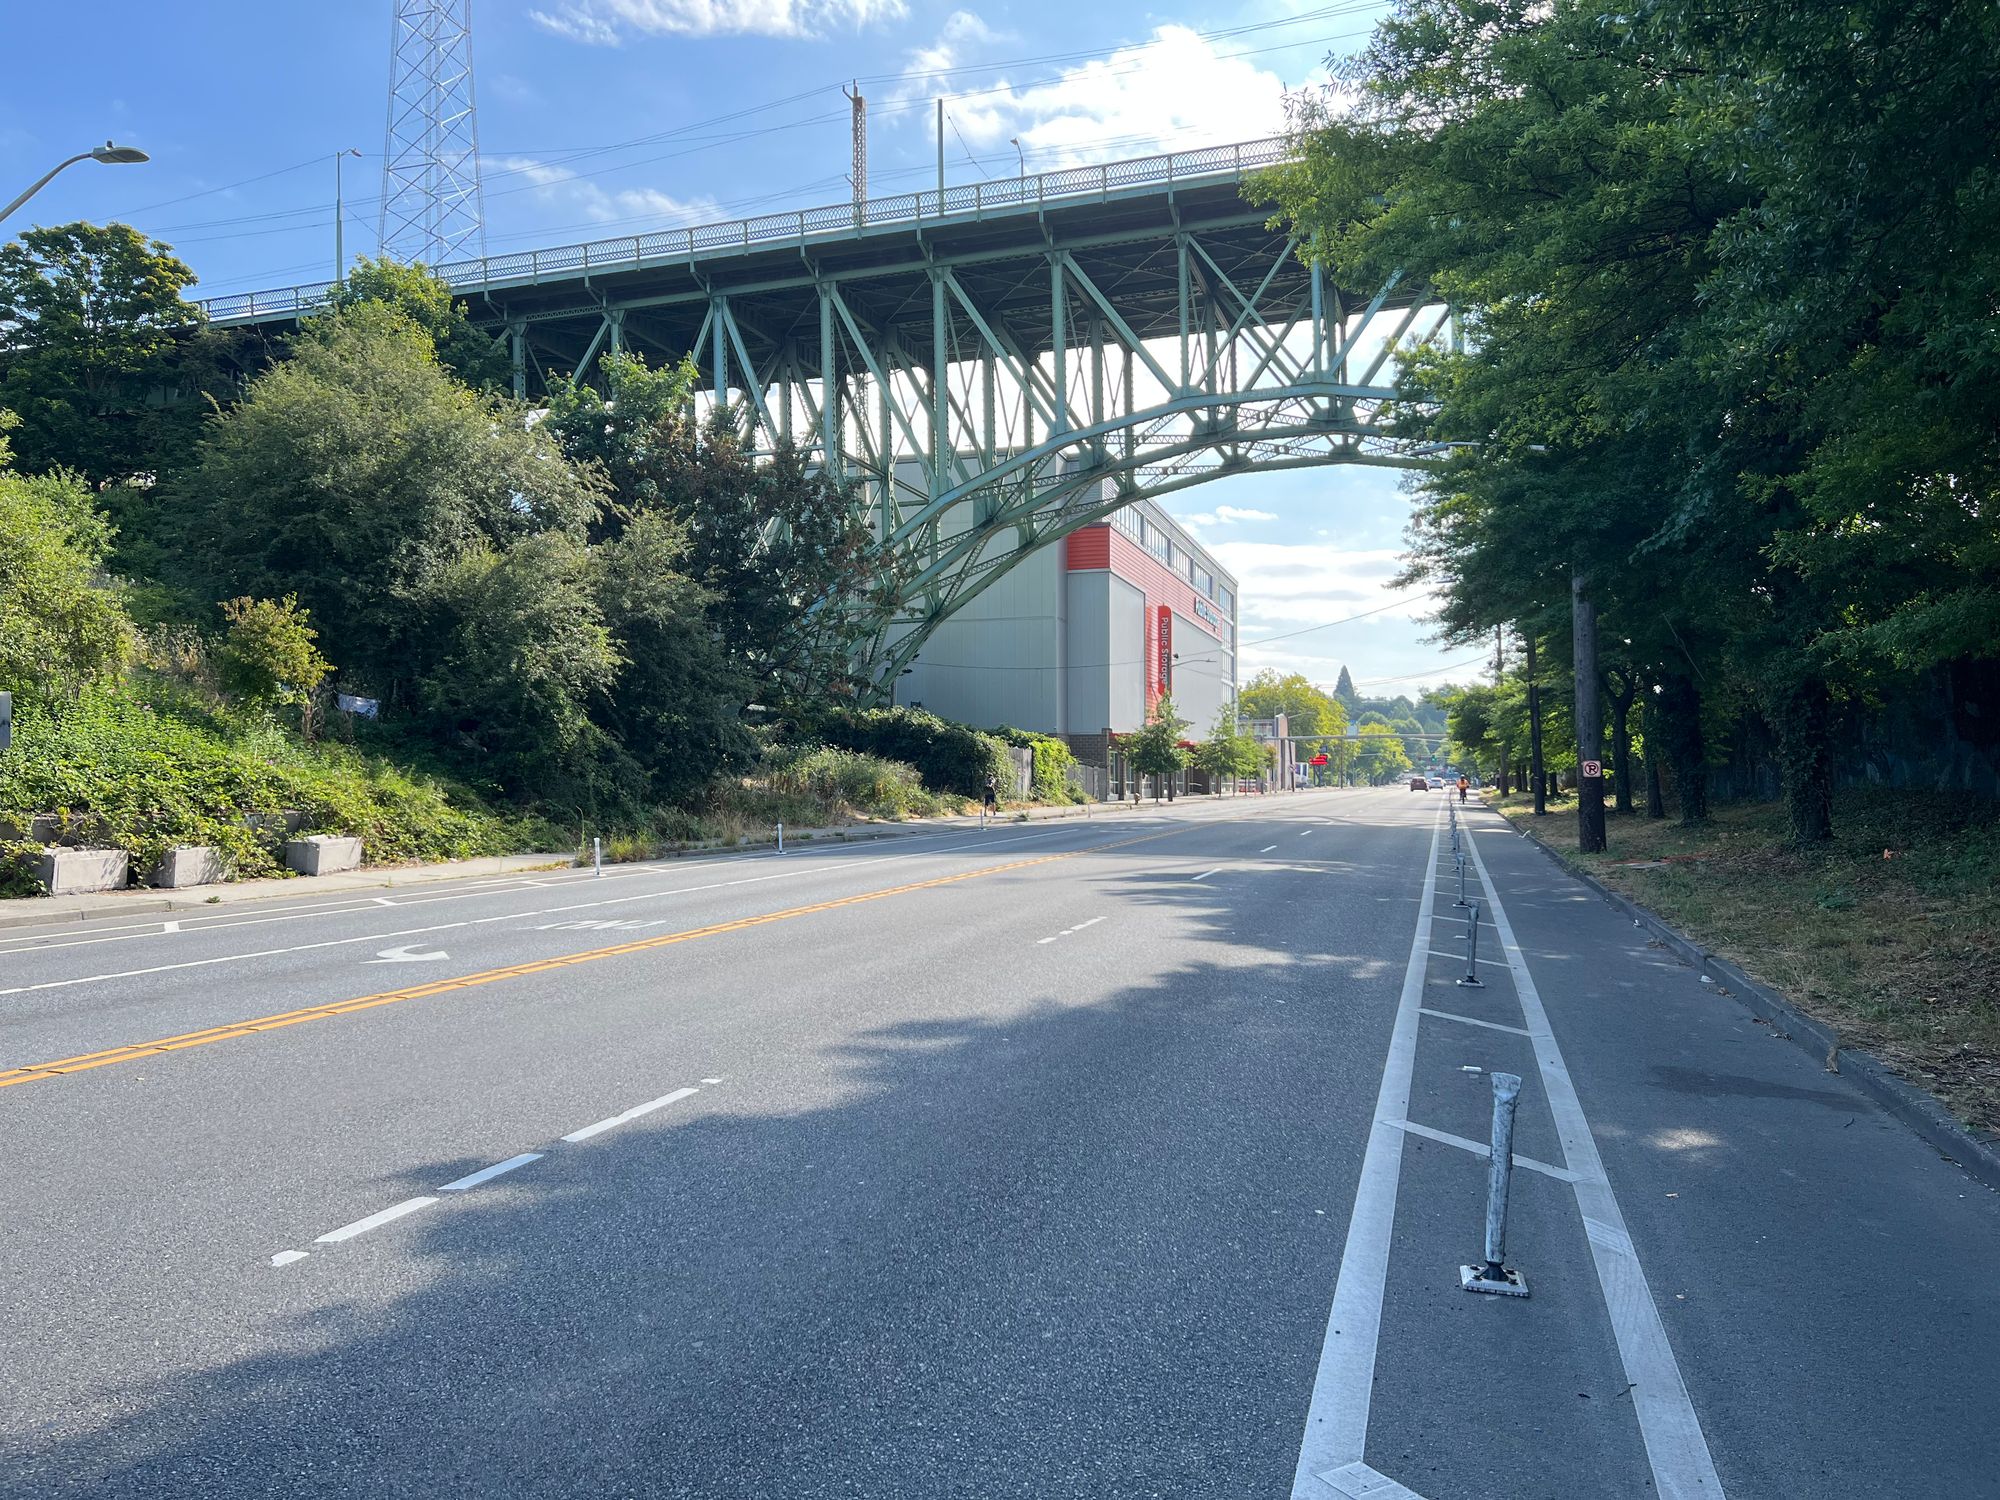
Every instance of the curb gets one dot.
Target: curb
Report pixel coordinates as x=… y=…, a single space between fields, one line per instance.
x=1963 y=1145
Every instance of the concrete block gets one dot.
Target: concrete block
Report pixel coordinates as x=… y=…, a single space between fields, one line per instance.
x=322 y=854
x=71 y=872
x=189 y=864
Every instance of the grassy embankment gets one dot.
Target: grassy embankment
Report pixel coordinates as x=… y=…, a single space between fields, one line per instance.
x=1891 y=934
x=149 y=764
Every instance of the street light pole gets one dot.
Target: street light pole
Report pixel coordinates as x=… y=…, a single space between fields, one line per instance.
x=1016 y=144
x=107 y=153
x=339 y=220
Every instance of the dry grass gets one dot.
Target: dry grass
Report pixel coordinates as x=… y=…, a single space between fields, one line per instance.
x=1891 y=934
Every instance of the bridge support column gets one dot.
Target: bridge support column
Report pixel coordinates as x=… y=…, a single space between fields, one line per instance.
x=517 y=354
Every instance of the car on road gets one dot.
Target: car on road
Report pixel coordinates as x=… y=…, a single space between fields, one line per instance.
x=1436 y=784
x=1418 y=784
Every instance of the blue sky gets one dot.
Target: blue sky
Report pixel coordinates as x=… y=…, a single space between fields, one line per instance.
x=601 y=117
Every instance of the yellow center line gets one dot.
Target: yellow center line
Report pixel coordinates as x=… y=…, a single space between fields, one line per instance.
x=140 y=1050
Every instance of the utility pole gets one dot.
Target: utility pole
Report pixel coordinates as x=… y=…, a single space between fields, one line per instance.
x=1499 y=674
x=940 y=156
x=1536 y=781
x=859 y=175
x=339 y=220
x=1589 y=721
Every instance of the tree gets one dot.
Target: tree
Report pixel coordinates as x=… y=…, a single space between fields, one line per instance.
x=267 y=653
x=675 y=706
x=518 y=650
x=62 y=625
x=1156 y=749
x=793 y=572
x=1228 y=752
x=1343 y=689
x=478 y=359
x=356 y=475
x=1316 y=721
x=1379 y=754
x=91 y=320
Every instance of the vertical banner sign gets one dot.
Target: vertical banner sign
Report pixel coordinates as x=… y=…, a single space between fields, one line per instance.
x=1166 y=638
x=1152 y=652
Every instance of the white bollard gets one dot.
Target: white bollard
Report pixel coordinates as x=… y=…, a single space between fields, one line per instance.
x=597 y=856
x=781 y=838
x=1461 y=901
x=1472 y=981
x=1495 y=1276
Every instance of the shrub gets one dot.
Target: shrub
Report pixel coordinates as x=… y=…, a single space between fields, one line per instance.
x=950 y=757
x=1053 y=760
x=268 y=653
x=839 y=780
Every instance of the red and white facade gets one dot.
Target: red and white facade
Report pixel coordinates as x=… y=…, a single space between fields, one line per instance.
x=1083 y=638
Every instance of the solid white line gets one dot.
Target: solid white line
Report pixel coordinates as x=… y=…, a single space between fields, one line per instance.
x=374 y=1221
x=1445 y=1015
x=1480 y=1148
x=286 y=1257
x=487 y=1174
x=631 y=1114
x=1336 y=1431
x=1675 y=1446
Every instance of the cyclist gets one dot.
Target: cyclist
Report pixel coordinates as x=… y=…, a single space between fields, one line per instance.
x=1464 y=786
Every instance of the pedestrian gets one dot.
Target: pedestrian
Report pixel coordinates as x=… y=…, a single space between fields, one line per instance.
x=991 y=801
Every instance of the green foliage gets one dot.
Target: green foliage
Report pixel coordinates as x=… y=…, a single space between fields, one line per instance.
x=950 y=757
x=144 y=769
x=1228 y=752
x=1725 y=281
x=1156 y=749
x=91 y=322
x=791 y=572
x=675 y=708
x=479 y=359
x=61 y=625
x=845 y=781
x=1053 y=760
x=1379 y=755
x=1309 y=711
x=356 y=474
x=267 y=653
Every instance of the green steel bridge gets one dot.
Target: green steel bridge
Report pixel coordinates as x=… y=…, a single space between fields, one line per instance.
x=990 y=368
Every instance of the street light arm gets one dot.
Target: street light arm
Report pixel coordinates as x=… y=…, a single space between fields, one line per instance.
x=8 y=211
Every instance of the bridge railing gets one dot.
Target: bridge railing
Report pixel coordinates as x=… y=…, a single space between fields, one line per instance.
x=628 y=252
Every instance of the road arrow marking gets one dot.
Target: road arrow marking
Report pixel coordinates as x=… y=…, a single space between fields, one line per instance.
x=407 y=954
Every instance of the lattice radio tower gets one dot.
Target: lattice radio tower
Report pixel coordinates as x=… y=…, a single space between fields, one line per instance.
x=432 y=209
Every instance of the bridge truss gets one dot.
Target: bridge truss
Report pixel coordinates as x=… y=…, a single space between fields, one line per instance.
x=995 y=368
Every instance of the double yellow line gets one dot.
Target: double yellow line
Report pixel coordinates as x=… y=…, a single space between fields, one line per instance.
x=138 y=1051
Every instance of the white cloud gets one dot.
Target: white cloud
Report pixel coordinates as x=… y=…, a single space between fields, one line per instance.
x=1225 y=515
x=1174 y=89
x=961 y=34
x=606 y=23
x=559 y=187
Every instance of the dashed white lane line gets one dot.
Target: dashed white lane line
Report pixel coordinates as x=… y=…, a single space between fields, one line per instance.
x=374 y=1221
x=1304 y=831
x=631 y=1114
x=487 y=1174
x=286 y=1257
x=382 y=901
x=1067 y=931
x=1206 y=873
x=1267 y=848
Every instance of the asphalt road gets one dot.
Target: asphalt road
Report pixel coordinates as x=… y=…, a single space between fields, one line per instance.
x=1131 y=1156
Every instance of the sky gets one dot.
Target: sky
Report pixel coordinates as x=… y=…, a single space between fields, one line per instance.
x=608 y=117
